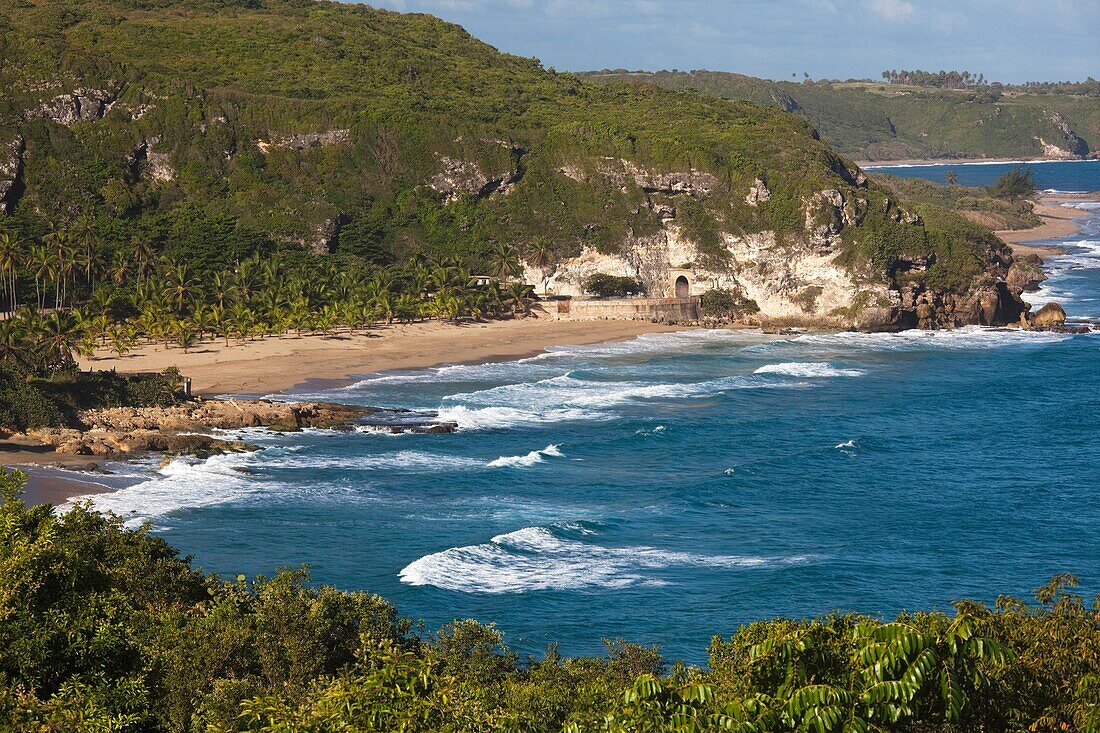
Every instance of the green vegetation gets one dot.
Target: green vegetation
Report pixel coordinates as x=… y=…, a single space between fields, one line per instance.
x=29 y=400
x=185 y=170
x=723 y=303
x=107 y=629
x=612 y=286
x=1016 y=184
x=977 y=204
x=896 y=120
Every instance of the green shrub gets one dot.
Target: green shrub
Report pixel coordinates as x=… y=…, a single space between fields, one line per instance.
x=610 y=286
x=1018 y=183
x=22 y=404
x=726 y=303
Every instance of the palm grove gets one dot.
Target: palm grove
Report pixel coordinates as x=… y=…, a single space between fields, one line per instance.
x=61 y=294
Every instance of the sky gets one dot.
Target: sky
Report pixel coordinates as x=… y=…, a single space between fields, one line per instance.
x=1007 y=40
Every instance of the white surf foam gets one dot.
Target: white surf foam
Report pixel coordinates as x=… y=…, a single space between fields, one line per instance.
x=968 y=163
x=534 y=558
x=401 y=460
x=183 y=483
x=499 y=418
x=568 y=398
x=808 y=369
x=966 y=338
x=529 y=459
x=846 y=445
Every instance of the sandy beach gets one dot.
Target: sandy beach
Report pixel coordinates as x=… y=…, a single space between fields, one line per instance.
x=1058 y=222
x=278 y=363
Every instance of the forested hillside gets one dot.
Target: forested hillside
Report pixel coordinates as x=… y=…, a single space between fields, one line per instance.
x=895 y=121
x=168 y=142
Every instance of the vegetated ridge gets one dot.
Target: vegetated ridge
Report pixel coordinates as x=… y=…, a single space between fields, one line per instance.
x=204 y=133
x=912 y=119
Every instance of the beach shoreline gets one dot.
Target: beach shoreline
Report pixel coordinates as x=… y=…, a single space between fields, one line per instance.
x=1058 y=222
x=275 y=364
x=289 y=364
x=278 y=364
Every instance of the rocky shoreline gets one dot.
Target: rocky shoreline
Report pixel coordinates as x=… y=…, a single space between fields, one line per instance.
x=188 y=429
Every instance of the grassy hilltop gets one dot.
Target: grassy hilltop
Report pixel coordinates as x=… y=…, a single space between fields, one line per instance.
x=880 y=121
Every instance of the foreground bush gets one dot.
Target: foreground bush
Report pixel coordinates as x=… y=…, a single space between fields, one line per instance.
x=107 y=629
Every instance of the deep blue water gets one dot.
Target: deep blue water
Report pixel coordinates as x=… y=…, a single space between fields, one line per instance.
x=1074 y=176
x=672 y=487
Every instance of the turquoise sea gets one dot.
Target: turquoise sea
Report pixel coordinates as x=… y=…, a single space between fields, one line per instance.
x=672 y=487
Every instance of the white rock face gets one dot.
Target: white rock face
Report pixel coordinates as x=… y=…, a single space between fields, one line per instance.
x=1053 y=152
x=11 y=165
x=793 y=285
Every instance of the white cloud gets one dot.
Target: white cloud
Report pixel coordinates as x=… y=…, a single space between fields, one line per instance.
x=894 y=10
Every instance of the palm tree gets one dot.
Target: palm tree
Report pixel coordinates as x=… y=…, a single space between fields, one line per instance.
x=504 y=262
x=201 y=319
x=13 y=343
x=118 y=269
x=11 y=257
x=221 y=289
x=141 y=253
x=61 y=334
x=43 y=269
x=541 y=253
x=181 y=286
x=122 y=339
x=84 y=232
x=519 y=297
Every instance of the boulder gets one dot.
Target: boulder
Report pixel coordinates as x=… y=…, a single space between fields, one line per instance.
x=1051 y=317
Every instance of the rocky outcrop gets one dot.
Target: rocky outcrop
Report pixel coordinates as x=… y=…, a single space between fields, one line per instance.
x=327 y=234
x=1051 y=317
x=989 y=303
x=758 y=193
x=675 y=183
x=11 y=172
x=792 y=285
x=79 y=105
x=462 y=177
x=183 y=429
x=157 y=165
x=804 y=281
x=827 y=213
x=1072 y=146
x=302 y=141
x=1025 y=274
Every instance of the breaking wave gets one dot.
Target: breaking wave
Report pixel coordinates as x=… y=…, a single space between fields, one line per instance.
x=181 y=484
x=808 y=369
x=538 y=559
x=527 y=460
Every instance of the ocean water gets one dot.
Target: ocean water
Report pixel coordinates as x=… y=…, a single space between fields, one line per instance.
x=1057 y=176
x=671 y=487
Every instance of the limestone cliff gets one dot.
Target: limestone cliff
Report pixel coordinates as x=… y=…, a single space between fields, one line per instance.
x=815 y=277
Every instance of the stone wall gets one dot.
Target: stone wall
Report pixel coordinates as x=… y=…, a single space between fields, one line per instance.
x=663 y=310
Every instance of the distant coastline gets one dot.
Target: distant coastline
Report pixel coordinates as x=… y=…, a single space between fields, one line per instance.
x=932 y=162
